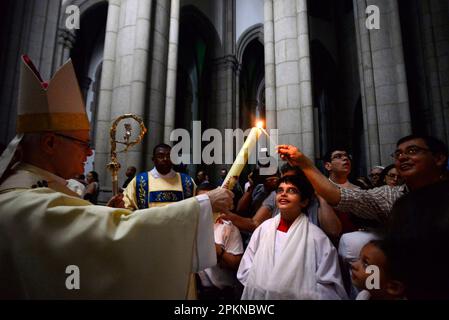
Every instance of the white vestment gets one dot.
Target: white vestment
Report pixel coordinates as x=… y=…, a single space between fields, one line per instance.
x=146 y=254
x=299 y=264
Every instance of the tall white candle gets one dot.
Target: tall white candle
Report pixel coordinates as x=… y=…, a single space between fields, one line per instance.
x=242 y=158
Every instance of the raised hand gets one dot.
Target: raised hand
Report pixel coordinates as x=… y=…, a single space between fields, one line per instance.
x=291 y=154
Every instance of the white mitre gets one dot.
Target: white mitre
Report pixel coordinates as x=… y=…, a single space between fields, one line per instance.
x=56 y=105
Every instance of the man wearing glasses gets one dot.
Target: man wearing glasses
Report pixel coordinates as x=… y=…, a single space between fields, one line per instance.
x=420 y=160
x=338 y=164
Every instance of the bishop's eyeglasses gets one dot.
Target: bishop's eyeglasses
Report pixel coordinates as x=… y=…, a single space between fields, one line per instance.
x=85 y=144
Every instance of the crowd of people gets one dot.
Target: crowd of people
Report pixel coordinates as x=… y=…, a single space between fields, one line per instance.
x=297 y=234
x=303 y=234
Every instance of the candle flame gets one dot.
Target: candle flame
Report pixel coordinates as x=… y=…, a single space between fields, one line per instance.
x=260 y=124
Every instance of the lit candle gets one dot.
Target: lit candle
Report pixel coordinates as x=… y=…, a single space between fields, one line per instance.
x=242 y=157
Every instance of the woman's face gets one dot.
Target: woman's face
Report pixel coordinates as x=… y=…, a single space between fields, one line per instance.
x=289 y=201
x=393 y=178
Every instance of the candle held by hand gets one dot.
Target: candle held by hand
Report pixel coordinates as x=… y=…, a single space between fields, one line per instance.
x=241 y=159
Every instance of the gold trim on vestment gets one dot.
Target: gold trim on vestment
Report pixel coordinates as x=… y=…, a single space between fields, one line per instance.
x=41 y=122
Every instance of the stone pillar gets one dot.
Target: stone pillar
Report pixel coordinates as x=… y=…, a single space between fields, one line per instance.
x=305 y=79
x=270 y=74
x=43 y=34
x=124 y=80
x=66 y=40
x=290 y=120
x=382 y=79
x=14 y=40
x=103 y=123
x=231 y=62
x=435 y=31
x=155 y=110
x=170 y=99
x=32 y=31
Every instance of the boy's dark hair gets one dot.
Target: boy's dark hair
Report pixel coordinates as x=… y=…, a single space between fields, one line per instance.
x=301 y=182
x=328 y=155
x=205 y=187
x=161 y=145
x=417 y=242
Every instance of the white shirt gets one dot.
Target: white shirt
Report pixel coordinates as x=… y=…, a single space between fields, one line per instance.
x=228 y=236
x=156 y=174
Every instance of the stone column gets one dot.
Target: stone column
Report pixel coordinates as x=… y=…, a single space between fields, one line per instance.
x=43 y=34
x=305 y=79
x=288 y=103
x=230 y=61
x=170 y=99
x=155 y=109
x=383 y=80
x=66 y=40
x=32 y=31
x=270 y=74
x=14 y=40
x=124 y=80
x=435 y=32
x=103 y=123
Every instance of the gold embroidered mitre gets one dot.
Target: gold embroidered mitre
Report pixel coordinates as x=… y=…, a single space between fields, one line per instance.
x=54 y=106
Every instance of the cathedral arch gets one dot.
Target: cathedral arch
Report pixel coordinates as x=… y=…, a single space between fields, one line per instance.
x=254 y=32
x=251 y=75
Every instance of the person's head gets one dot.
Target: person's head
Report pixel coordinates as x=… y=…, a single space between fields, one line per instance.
x=390 y=176
x=420 y=160
x=92 y=176
x=373 y=262
x=131 y=172
x=417 y=239
x=293 y=194
x=375 y=175
x=204 y=188
x=223 y=173
x=337 y=162
x=288 y=170
x=49 y=151
x=52 y=116
x=201 y=176
x=270 y=182
x=161 y=158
